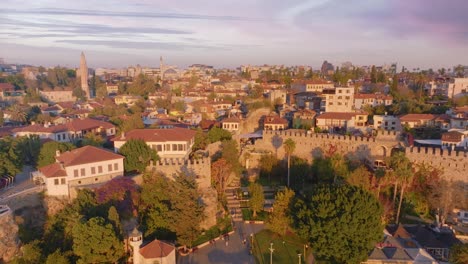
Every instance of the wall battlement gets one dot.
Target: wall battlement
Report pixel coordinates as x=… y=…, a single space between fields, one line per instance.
x=454 y=163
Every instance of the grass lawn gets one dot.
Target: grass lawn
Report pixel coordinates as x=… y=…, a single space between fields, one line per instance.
x=247 y=215
x=283 y=253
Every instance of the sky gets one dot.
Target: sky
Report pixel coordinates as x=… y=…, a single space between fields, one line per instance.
x=230 y=33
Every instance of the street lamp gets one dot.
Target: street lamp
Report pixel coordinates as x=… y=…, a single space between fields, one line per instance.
x=299 y=256
x=305 y=249
x=271 y=252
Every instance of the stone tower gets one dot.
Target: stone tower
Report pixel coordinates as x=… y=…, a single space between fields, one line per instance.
x=84 y=75
x=161 y=67
x=135 y=240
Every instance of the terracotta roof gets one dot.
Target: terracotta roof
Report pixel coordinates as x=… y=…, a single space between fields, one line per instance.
x=274 y=119
x=373 y=96
x=159 y=135
x=231 y=120
x=6 y=87
x=53 y=170
x=156 y=249
x=85 y=155
x=337 y=115
x=41 y=129
x=417 y=117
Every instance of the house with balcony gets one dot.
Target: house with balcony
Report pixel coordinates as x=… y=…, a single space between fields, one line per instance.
x=231 y=124
x=169 y=143
x=79 y=168
x=275 y=122
x=339 y=121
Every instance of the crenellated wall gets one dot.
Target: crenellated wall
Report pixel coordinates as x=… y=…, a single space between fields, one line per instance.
x=310 y=145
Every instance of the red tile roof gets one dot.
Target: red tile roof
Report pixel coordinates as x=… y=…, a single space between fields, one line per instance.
x=373 y=96
x=274 y=119
x=158 y=135
x=53 y=170
x=417 y=117
x=156 y=249
x=85 y=155
x=231 y=120
x=73 y=125
x=6 y=87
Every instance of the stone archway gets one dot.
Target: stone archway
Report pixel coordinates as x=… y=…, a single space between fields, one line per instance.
x=382 y=151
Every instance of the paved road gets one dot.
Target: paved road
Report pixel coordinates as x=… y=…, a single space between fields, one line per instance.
x=22 y=182
x=232 y=251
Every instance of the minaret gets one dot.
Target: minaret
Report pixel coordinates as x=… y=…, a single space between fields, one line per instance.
x=84 y=75
x=161 y=67
x=135 y=240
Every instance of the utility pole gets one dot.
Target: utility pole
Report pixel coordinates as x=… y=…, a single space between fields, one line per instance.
x=271 y=252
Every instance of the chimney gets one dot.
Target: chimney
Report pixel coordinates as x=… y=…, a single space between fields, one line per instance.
x=123 y=135
x=57 y=153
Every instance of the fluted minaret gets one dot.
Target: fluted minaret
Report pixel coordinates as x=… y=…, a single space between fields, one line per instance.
x=84 y=75
x=161 y=67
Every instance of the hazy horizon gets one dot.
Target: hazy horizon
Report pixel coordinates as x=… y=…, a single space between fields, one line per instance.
x=418 y=33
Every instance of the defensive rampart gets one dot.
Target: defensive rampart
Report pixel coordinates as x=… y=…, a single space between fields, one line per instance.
x=310 y=145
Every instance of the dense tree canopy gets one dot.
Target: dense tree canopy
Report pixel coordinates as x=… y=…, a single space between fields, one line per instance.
x=48 y=152
x=137 y=155
x=218 y=134
x=94 y=241
x=257 y=199
x=342 y=222
x=280 y=219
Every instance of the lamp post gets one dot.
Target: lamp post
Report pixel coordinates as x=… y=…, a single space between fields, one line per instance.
x=271 y=252
x=305 y=250
x=299 y=257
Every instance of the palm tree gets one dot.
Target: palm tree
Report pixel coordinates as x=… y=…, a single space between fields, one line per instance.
x=402 y=169
x=289 y=147
x=459 y=70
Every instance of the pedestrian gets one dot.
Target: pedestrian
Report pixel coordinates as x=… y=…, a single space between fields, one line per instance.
x=227 y=243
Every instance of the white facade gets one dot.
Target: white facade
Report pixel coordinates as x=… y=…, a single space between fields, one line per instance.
x=387 y=122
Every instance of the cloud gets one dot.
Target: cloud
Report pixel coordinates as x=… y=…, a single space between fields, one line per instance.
x=127 y=14
x=140 y=44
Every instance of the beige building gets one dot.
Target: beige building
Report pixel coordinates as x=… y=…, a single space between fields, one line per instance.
x=231 y=124
x=362 y=100
x=274 y=122
x=127 y=99
x=417 y=120
x=343 y=121
x=457 y=88
x=341 y=101
x=278 y=96
x=57 y=96
x=312 y=86
x=112 y=88
x=169 y=143
x=78 y=168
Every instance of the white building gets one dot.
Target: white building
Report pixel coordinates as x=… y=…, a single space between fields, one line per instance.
x=362 y=100
x=154 y=252
x=231 y=124
x=72 y=130
x=387 y=122
x=79 y=167
x=345 y=121
x=169 y=143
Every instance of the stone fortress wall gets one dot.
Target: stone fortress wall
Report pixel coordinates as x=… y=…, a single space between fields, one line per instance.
x=201 y=170
x=310 y=145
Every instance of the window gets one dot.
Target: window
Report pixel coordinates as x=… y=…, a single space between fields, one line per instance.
x=62 y=181
x=79 y=182
x=93 y=170
x=109 y=167
x=75 y=173
x=58 y=137
x=83 y=173
x=168 y=147
x=116 y=166
x=99 y=169
x=180 y=147
x=159 y=148
x=174 y=147
x=56 y=181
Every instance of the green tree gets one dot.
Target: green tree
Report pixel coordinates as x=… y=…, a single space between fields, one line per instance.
x=257 y=199
x=200 y=141
x=17 y=114
x=218 y=134
x=57 y=258
x=267 y=163
x=95 y=241
x=230 y=152
x=402 y=169
x=92 y=139
x=342 y=222
x=2 y=119
x=49 y=151
x=280 y=220
x=132 y=122
x=137 y=155
x=114 y=219
x=289 y=146
x=360 y=177
x=373 y=74
x=459 y=254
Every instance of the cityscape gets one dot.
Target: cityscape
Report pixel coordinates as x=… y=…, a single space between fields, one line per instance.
x=264 y=132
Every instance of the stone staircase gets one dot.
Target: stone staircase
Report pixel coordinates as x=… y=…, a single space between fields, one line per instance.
x=233 y=205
